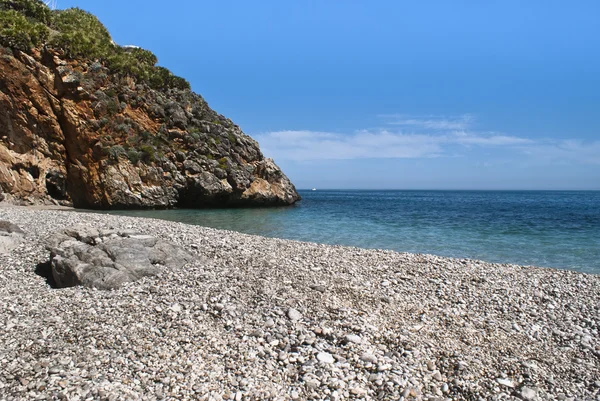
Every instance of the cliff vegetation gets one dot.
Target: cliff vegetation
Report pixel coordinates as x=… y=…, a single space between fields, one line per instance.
x=86 y=122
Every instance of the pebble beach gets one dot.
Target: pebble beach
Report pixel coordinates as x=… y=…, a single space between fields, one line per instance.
x=254 y=318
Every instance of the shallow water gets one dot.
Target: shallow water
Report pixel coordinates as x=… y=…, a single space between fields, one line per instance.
x=544 y=228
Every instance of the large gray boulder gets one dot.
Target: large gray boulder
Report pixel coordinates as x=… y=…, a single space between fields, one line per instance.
x=11 y=236
x=105 y=259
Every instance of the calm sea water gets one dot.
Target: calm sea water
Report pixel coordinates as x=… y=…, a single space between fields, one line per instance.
x=544 y=228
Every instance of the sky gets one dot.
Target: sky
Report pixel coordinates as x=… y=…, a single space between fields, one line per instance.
x=391 y=94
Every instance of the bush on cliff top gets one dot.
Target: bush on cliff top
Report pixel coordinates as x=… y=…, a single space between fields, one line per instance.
x=80 y=34
x=24 y=25
x=18 y=32
x=32 y=9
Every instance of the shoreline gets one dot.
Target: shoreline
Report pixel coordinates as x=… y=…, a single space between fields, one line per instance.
x=370 y=323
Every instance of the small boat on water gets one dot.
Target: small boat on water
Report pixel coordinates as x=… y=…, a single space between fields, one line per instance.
x=314 y=189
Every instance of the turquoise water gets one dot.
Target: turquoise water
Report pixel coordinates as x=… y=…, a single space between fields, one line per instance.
x=544 y=228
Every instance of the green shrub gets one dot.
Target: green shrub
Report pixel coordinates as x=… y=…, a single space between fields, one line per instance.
x=24 y=24
x=32 y=9
x=114 y=152
x=112 y=107
x=133 y=156
x=162 y=79
x=148 y=153
x=123 y=128
x=122 y=61
x=81 y=34
x=145 y=57
x=17 y=32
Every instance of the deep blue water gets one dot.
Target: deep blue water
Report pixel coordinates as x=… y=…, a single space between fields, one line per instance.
x=544 y=228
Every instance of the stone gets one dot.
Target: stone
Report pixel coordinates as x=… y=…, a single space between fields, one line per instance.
x=312 y=383
x=382 y=367
x=135 y=342
x=11 y=236
x=505 y=382
x=528 y=394
x=358 y=391
x=352 y=338
x=76 y=259
x=325 y=357
x=369 y=358
x=294 y=315
x=318 y=288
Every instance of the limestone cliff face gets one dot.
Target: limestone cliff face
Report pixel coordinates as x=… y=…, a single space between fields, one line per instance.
x=72 y=133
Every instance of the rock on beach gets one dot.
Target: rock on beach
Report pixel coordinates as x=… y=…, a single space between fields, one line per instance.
x=241 y=320
x=106 y=259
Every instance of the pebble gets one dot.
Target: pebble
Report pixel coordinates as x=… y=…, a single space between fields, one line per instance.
x=358 y=391
x=505 y=382
x=223 y=326
x=325 y=357
x=528 y=394
x=294 y=315
x=352 y=338
x=369 y=358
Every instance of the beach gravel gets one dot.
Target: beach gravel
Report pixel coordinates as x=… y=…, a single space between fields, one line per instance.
x=257 y=318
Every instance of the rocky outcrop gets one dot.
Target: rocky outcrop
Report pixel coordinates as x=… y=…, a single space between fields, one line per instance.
x=11 y=236
x=107 y=259
x=73 y=133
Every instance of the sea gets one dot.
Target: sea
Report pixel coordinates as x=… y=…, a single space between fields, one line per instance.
x=558 y=229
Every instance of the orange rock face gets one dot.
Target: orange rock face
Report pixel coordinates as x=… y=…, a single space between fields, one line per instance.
x=75 y=134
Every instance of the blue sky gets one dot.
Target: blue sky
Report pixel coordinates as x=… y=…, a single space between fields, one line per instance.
x=391 y=94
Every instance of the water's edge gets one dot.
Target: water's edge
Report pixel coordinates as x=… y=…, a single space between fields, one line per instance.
x=558 y=229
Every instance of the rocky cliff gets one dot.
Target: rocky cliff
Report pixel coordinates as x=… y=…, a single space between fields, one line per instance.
x=79 y=131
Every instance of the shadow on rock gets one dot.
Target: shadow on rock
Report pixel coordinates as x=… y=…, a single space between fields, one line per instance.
x=44 y=269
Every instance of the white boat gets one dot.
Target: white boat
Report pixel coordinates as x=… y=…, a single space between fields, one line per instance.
x=314 y=189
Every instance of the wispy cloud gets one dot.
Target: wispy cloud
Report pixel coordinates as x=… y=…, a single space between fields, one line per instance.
x=565 y=151
x=470 y=138
x=310 y=145
x=442 y=123
x=381 y=143
x=421 y=137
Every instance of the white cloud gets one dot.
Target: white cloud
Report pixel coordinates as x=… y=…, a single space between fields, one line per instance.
x=421 y=137
x=310 y=145
x=313 y=145
x=440 y=123
x=565 y=152
x=469 y=138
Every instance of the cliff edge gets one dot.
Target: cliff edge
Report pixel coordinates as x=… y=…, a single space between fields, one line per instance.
x=95 y=125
